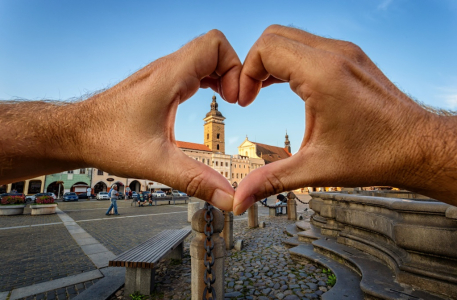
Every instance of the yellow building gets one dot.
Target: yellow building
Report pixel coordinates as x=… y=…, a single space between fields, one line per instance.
x=28 y=187
x=266 y=152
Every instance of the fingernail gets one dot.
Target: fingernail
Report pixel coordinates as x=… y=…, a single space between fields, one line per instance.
x=222 y=200
x=244 y=205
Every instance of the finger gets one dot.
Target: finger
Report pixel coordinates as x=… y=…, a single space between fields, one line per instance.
x=346 y=49
x=284 y=59
x=204 y=57
x=197 y=179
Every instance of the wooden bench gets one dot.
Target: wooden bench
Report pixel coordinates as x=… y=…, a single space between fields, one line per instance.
x=140 y=261
x=273 y=211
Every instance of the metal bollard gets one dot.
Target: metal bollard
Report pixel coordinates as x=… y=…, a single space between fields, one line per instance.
x=227 y=233
x=198 y=254
x=253 y=216
x=291 y=206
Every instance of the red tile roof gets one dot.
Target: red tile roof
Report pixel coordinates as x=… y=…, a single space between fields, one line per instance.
x=193 y=146
x=271 y=153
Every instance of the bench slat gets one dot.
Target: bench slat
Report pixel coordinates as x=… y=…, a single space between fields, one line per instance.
x=158 y=244
x=142 y=256
x=172 y=241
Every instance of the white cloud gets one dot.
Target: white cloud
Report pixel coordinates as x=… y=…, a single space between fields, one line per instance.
x=384 y=4
x=232 y=140
x=451 y=101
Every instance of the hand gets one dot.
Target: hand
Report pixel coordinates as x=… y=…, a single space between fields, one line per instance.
x=361 y=130
x=140 y=112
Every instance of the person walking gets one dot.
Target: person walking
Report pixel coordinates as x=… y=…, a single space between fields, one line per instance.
x=113 y=194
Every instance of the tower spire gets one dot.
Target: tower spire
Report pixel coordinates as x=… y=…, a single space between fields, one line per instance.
x=287 y=143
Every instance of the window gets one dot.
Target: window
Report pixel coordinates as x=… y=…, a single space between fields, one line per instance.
x=70 y=172
x=236 y=175
x=218 y=135
x=239 y=166
x=217 y=163
x=207 y=136
x=82 y=171
x=217 y=146
x=233 y=175
x=222 y=173
x=203 y=160
x=241 y=175
x=226 y=164
x=247 y=153
x=226 y=174
x=99 y=172
x=244 y=166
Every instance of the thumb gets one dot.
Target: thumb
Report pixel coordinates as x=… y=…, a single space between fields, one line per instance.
x=199 y=180
x=283 y=175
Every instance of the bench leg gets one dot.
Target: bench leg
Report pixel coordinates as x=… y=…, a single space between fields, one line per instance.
x=177 y=252
x=137 y=279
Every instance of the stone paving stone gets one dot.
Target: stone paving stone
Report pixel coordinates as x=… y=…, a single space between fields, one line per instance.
x=26 y=220
x=264 y=257
x=119 y=235
x=39 y=254
x=66 y=293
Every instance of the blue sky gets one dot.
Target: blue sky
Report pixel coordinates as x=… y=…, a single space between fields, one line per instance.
x=65 y=49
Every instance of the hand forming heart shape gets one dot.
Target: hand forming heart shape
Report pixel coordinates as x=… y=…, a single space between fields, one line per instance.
x=360 y=129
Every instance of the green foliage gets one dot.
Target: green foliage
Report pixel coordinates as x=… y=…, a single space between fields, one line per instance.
x=331 y=280
x=326 y=271
x=137 y=296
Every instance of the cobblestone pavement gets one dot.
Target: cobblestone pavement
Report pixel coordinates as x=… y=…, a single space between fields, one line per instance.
x=121 y=234
x=262 y=270
x=124 y=210
x=38 y=254
x=27 y=220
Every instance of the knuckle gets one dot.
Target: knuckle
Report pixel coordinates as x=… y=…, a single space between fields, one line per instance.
x=273 y=184
x=274 y=28
x=194 y=183
x=215 y=34
x=267 y=40
x=354 y=52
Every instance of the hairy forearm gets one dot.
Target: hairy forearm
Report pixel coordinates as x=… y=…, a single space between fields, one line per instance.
x=38 y=138
x=435 y=170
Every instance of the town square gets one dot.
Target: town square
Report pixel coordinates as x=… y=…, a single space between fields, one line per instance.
x=228 y=150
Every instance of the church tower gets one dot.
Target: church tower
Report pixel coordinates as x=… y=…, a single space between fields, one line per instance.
x=214 y=129
x=287 y=144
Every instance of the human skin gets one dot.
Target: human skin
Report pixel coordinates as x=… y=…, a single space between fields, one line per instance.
x=44 y=137
x=361 y=130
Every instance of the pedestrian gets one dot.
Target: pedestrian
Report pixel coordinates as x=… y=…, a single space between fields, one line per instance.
x=113 y=195
x=280 y=199
x=264 y=201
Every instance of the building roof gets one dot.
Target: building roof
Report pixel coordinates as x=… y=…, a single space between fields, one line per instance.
x=192 y=146
x=271 y=153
